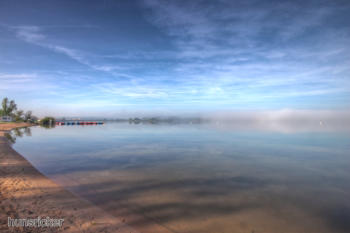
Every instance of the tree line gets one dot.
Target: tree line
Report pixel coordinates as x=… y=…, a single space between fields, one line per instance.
x=9 y=108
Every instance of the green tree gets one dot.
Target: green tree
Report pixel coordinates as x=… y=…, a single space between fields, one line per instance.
x=33 y=119
x=19 y=115
x=47 y=121
x=28 y=116
x=4 y=105
x=8 y=107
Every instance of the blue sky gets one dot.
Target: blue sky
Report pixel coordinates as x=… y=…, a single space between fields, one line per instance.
x=105 y=58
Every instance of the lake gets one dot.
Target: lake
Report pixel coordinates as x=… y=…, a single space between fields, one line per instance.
x=203 y=178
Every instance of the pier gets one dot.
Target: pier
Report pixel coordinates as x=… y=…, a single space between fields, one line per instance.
x=79 y=123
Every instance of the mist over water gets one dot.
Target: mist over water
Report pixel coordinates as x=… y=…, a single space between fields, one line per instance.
x=287 y=121
x=235 y=173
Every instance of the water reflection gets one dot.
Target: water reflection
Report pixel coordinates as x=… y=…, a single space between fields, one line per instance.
x=17 y=132
x=48 y=126
x=27 y=131
x=10 y=138
x=202 y=178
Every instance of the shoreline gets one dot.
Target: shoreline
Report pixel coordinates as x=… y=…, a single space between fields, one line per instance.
x=25 y=193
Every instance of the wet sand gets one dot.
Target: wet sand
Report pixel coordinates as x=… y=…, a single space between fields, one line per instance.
x=26 y=193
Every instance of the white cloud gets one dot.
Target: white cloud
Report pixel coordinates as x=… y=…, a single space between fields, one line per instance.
x=34 y=35
x=229 y=53
x=31 y=34
x=21 y=76
x=132 y=91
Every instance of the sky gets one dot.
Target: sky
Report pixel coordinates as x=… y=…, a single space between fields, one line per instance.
x=110 y=58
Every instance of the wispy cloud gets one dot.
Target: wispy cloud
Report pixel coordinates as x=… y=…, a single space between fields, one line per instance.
x=246 y=48
x=30 y=34
x=19 y=81
x=187 y=54
x=21 y=76
x=135 y=91
x=36 y=36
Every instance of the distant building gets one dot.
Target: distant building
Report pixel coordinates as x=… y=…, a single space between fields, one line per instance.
x=6 y=118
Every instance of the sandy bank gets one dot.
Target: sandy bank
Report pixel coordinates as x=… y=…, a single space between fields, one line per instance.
x=8 y=126
x=26 y=193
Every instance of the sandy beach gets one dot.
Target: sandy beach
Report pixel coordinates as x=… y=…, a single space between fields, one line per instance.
x=25 y=193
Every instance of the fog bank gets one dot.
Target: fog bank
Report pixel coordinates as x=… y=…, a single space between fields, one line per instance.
x=287 y=120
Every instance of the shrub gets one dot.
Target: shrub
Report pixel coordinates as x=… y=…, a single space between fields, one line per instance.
x=47 y=121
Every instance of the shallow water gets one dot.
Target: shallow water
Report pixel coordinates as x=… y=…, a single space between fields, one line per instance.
x=202 y=178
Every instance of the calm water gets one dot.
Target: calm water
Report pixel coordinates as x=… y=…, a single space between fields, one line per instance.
x=202 y=178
